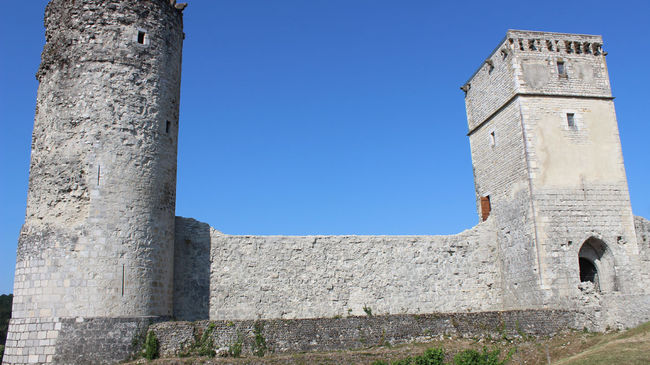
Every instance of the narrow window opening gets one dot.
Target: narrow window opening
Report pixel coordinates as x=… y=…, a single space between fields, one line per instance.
x=490 y=66
x=504 y=54
x=167 y=127
x=587 y=47
x=141 y=36
x=570 y=119
x=561 y=70
x=123 y=270
x=549 y=45
x=521 y=44
x=493 y=139
x=99 y=173
x=485 y=207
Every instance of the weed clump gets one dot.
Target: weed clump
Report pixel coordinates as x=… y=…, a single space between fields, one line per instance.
x=234 y=350
x=368 y=311
x=150 y=350
x=259 y=347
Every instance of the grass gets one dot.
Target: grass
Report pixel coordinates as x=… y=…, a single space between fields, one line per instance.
x=630 y=347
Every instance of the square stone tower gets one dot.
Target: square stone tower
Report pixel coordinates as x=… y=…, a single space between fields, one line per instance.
x=548 y=168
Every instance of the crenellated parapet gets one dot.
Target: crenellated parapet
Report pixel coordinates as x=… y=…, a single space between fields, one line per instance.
x=558 y=43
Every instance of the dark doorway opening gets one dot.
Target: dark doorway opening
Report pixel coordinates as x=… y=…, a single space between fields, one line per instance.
x=588 y=271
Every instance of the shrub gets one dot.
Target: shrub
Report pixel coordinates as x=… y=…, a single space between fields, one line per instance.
x=473 y=357
x=150 y=351
x=432 y=356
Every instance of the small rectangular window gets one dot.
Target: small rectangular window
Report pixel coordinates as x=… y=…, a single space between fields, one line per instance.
x=167 y=127
x=570 y=119
x=141 y=35
x=561 y=70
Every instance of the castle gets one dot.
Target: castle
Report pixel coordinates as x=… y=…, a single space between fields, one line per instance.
x=101 y=255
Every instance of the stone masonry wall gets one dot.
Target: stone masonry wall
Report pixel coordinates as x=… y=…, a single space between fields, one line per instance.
x=329 y=334
x=31 y=340
x=536 y=56
x=642 y=227
x=490 y=87
x=191 y=270
x=324 y=276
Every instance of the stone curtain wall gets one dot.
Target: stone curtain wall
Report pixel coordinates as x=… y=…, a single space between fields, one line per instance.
x=329 y=334
x=325 y=276
x=191 y=270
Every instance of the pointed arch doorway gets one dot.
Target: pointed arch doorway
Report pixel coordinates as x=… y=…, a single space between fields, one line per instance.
x=596 y=264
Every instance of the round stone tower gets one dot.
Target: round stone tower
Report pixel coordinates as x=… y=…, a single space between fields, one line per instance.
x=97 y=243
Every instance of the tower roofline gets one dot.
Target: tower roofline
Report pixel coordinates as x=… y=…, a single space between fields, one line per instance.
x=571 y=35
x=520 y=33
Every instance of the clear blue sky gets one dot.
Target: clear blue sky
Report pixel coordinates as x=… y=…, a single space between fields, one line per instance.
x=331 y=117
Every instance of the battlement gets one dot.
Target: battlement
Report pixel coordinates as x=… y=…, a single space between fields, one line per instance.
x=549 y=42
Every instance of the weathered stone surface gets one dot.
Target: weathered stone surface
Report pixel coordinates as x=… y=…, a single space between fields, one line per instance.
x=327 y=334
x=324 y=276
x=642 y=227
x=191 y=270
x=174 y=337
x=100 y=340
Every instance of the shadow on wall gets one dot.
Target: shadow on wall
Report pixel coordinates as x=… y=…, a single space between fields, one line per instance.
x=191 y=270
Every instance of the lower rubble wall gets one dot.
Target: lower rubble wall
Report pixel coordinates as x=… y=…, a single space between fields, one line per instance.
x=330 y=334
x=75 y=340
